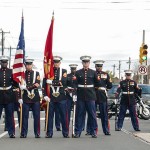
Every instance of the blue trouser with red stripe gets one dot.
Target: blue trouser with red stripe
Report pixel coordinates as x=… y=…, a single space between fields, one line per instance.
x=16 y=108
x=133 y=114
x=62 y=107
x=9 y=112
x=25 y=116
x=83 y=106
x=57 y=118
x=104 y=117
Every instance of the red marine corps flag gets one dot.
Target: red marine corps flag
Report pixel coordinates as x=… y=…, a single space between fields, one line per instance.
x=48 y=56
x=48 y=65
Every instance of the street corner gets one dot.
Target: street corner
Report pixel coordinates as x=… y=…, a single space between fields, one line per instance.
x=143 y=136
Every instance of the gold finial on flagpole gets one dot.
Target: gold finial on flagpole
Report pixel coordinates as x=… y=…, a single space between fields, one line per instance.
x=53 y=15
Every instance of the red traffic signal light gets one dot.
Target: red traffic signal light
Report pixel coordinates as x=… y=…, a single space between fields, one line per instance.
x=144 y=52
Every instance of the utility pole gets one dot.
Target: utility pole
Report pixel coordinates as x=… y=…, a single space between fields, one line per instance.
x=114 y=66
x=143 y=42
x=10 y=50
x=129 y=63
x=146 y=76
x=119 y=68
x=2 y=32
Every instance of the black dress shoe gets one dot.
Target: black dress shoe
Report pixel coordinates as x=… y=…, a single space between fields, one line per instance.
x=94 y=136
x=76 y=136
x=66 y=136
x=118 y=129
x=107 y=133
x=48 y=136
x=23 y=136
x=12 y=136
x=58 y=129
x=137 y=130
x=37 y=136
x=87 y=133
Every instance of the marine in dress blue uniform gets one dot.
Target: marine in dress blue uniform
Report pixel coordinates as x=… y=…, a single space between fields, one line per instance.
x=86 y=97
x=31 y=99
x=71 y=88
x=128 y=88
x=7 y=95
x=103 y=85
x=58 y=98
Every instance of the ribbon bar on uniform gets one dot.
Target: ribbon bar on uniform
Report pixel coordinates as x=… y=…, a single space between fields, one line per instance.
x=5 y=88
x=127 y=92
x=85 y=86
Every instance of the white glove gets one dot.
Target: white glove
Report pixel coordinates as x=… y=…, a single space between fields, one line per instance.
x=74 y=98
x=49 y=81
x=22 y=87
x=20 y=101
x=47 y=98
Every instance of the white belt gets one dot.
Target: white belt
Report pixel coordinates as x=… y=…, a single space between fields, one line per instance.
x=85 y=86
x=70 y=87
x=127 y=92
x=101 y=88
x=5 y=88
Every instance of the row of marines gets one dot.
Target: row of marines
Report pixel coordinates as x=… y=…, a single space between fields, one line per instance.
x=88 y=85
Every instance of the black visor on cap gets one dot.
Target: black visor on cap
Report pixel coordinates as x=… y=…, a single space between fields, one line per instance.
x=73 y=68
x=28 y=63
x=56 y=61
x=128 y=74
x=85 y=61
x=4 y=61
x=98 y=65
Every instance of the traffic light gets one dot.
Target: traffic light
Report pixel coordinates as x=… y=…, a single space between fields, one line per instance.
x=143 y=53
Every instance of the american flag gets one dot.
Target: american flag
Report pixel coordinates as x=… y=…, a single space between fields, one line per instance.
x=18 y=66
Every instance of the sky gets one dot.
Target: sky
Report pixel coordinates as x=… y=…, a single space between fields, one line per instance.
x=104 y=29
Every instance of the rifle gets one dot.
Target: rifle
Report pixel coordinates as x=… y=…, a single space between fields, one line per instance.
x=116 y=114
x=116 y=111
x=74 y=114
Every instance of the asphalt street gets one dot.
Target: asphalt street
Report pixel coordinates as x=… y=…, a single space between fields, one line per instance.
x=127 y=139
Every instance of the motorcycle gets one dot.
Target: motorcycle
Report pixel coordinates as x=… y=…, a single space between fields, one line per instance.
x=143 y=110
